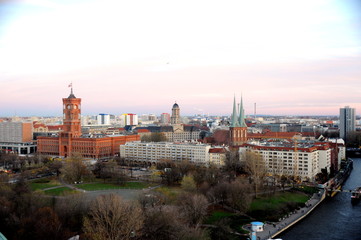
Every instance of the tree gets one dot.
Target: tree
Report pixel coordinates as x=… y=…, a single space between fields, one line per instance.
x=71 y=211
x=233 y=165
x=353 y=139
x=221 y=137
x=154 y=137
x=256 y=168
x=151 y=200
x=188 y=183
x=55 y=166
x=239 y=196
x=210 y=175
x=276 y=167
x=193 y=208
x=112 y=218
x=44 y=224
x=161 y=224
x=74 y=169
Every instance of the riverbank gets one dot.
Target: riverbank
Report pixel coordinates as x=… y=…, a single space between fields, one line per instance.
x=274 y=229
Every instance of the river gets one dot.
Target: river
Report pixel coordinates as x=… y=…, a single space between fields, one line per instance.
x=333 y=219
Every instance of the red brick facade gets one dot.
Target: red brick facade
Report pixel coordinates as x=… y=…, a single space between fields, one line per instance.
x=238 y=135
x=70 y=141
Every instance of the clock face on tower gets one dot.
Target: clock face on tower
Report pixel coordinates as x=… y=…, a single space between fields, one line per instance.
x=69 y=106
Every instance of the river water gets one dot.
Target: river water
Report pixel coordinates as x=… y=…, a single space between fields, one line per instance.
x=333 y=219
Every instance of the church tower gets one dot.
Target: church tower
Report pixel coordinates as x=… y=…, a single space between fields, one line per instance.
x=175 y=114
x=175 y=119
x=238 y=128
x=71 y=123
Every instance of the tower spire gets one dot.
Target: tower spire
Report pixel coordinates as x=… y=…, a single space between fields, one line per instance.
x=71 y=91
x=235 y=122
x=241 y=120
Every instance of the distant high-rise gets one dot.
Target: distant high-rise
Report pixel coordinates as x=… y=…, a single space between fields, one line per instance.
x=129 y=119
x=347 y=121
x=165 y=118
x=103 y=119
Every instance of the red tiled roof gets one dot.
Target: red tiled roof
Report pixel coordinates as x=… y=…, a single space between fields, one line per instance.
x=143 y=131
x=55 y=127
x=217 y=150
x=37 y=125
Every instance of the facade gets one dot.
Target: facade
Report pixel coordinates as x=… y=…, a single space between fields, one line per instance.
x=238 y=128
x=282 y=161
x=17 y=137
x=347 y=121
x=103 y=119
x=16 y=132
x=129 y=119
x=152 y=152
x=165 y=118
x=181 y=136
x=288 y=158
x=71 y=140
x=217 y=156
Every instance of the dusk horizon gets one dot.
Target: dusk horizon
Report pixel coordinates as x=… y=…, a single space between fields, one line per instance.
x=291 y=59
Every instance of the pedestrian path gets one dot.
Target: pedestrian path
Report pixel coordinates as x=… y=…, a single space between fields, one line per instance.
x=271 y=230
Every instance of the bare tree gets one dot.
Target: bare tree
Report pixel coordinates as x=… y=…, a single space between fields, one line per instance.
x=233 y=165
x=74 y=170
x=161 y=224
x=193 y=208
x=239 y=196
x=112 y=218
x=255 y=166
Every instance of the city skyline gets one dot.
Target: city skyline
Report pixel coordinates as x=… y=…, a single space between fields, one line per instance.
x=291 y=58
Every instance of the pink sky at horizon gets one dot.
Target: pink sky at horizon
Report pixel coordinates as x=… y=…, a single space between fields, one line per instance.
x=122 y=62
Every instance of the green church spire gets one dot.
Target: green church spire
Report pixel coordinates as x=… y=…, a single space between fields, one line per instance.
x=241 y=118
x=235 y=122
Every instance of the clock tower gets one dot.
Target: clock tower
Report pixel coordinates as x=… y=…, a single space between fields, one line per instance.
x=71 y=123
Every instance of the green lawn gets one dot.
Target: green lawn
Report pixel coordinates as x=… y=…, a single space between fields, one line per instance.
x=275 y=201
x=217 y=215
x=60 y=191
x=274 y=207
x=107 y=186
x=42 y=184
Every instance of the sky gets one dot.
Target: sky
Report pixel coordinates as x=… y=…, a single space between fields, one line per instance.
x=300 y=57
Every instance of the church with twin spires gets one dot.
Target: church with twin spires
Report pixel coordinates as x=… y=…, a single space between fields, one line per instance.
x=238 y=128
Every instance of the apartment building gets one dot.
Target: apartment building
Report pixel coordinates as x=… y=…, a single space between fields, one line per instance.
x=304 y=160
x=153 y=152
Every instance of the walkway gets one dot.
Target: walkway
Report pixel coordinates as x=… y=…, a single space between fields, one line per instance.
x=272 y=230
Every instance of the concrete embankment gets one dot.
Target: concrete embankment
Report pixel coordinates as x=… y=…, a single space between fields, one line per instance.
x=272 y=230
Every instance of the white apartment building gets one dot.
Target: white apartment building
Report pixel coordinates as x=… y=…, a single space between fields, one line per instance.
x=304 y=161
x=156 y=151
x=103 y=119
x=129 y=119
